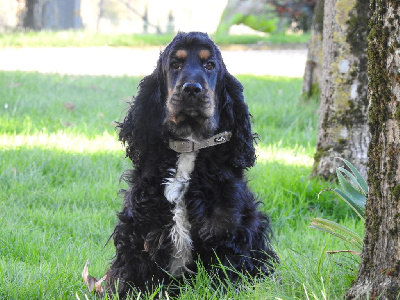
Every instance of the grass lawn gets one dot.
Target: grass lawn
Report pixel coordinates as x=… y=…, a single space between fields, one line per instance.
x=60 y=164
x=84 y=39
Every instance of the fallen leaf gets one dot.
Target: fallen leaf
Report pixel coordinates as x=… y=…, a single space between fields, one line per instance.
x=68 y=124
x=69 y=106
x=91 y=282
x=13 y=85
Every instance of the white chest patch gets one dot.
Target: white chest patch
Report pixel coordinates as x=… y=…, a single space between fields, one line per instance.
x=175 y=190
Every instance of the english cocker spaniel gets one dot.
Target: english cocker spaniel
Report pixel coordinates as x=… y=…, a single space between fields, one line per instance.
x=189 y=137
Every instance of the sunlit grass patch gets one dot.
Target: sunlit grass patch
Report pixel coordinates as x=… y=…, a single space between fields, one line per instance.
x=62 y=141
x=78 y=143
x=296 y=156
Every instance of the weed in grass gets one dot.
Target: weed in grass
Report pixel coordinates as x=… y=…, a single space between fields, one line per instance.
x=354 y=190
x=59 y=177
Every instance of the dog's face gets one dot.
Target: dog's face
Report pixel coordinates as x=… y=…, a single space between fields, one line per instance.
x=191 y=76
x=190 y=95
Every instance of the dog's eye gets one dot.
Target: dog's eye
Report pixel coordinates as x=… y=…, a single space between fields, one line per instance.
x=209 y=65
x=176 y=65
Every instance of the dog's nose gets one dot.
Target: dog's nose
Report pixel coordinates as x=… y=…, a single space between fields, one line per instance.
x=192 y=88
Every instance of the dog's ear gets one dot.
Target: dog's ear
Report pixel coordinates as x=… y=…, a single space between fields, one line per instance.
x=141 y=127
x=235 y=114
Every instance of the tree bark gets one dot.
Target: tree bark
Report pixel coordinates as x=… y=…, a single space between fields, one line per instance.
x=342 y=128
x=313 y=70
x=379 y=273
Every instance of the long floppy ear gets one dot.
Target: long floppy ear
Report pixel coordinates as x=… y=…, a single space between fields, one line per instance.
x=141 y=127
x=236 y=114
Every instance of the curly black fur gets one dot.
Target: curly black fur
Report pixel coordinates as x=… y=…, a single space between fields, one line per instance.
x=223 y=214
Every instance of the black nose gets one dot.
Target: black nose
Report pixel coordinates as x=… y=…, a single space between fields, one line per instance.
x=192 y=88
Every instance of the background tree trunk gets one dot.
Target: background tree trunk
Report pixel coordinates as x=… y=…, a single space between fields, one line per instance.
x=379 y=273
x=342 y=128
x=31 y=18
x=313 y=70
x=100 y=15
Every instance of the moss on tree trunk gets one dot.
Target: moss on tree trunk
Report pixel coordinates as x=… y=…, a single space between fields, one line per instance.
x=379 y=274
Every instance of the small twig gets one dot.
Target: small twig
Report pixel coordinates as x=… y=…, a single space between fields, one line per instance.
x=133 y=10
x=343 y=251
x=324 y=190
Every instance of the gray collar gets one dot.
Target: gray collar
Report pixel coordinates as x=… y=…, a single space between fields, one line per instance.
x=189 y=146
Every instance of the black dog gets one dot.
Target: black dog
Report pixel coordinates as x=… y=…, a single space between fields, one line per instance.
x=189 y=137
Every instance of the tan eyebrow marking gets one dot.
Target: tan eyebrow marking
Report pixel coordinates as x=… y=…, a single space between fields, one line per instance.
x=204 y=54
x=181 y=53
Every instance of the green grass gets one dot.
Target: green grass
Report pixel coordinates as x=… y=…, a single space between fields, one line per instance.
x=85 y=39
x=59 y=177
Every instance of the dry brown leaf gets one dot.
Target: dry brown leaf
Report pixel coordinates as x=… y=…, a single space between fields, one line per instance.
x=69 y=106
x=91 y=282
x=13 y=85
x=68 y=124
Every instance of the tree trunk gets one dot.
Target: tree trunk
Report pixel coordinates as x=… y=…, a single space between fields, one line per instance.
x=313 y=69
x=379 y=273
x=342 y=128
x=31 y=18
x=100 y=15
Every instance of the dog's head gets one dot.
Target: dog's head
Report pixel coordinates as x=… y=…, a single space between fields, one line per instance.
x=191 y=68
x=190 y=95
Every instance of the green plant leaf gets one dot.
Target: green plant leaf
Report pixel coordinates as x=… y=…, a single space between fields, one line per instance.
x=338 y=230
x=359 y=210
x=355 y=194
x=352 y=181
x=360 y=180
x=349 y=190
x=337 y=227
